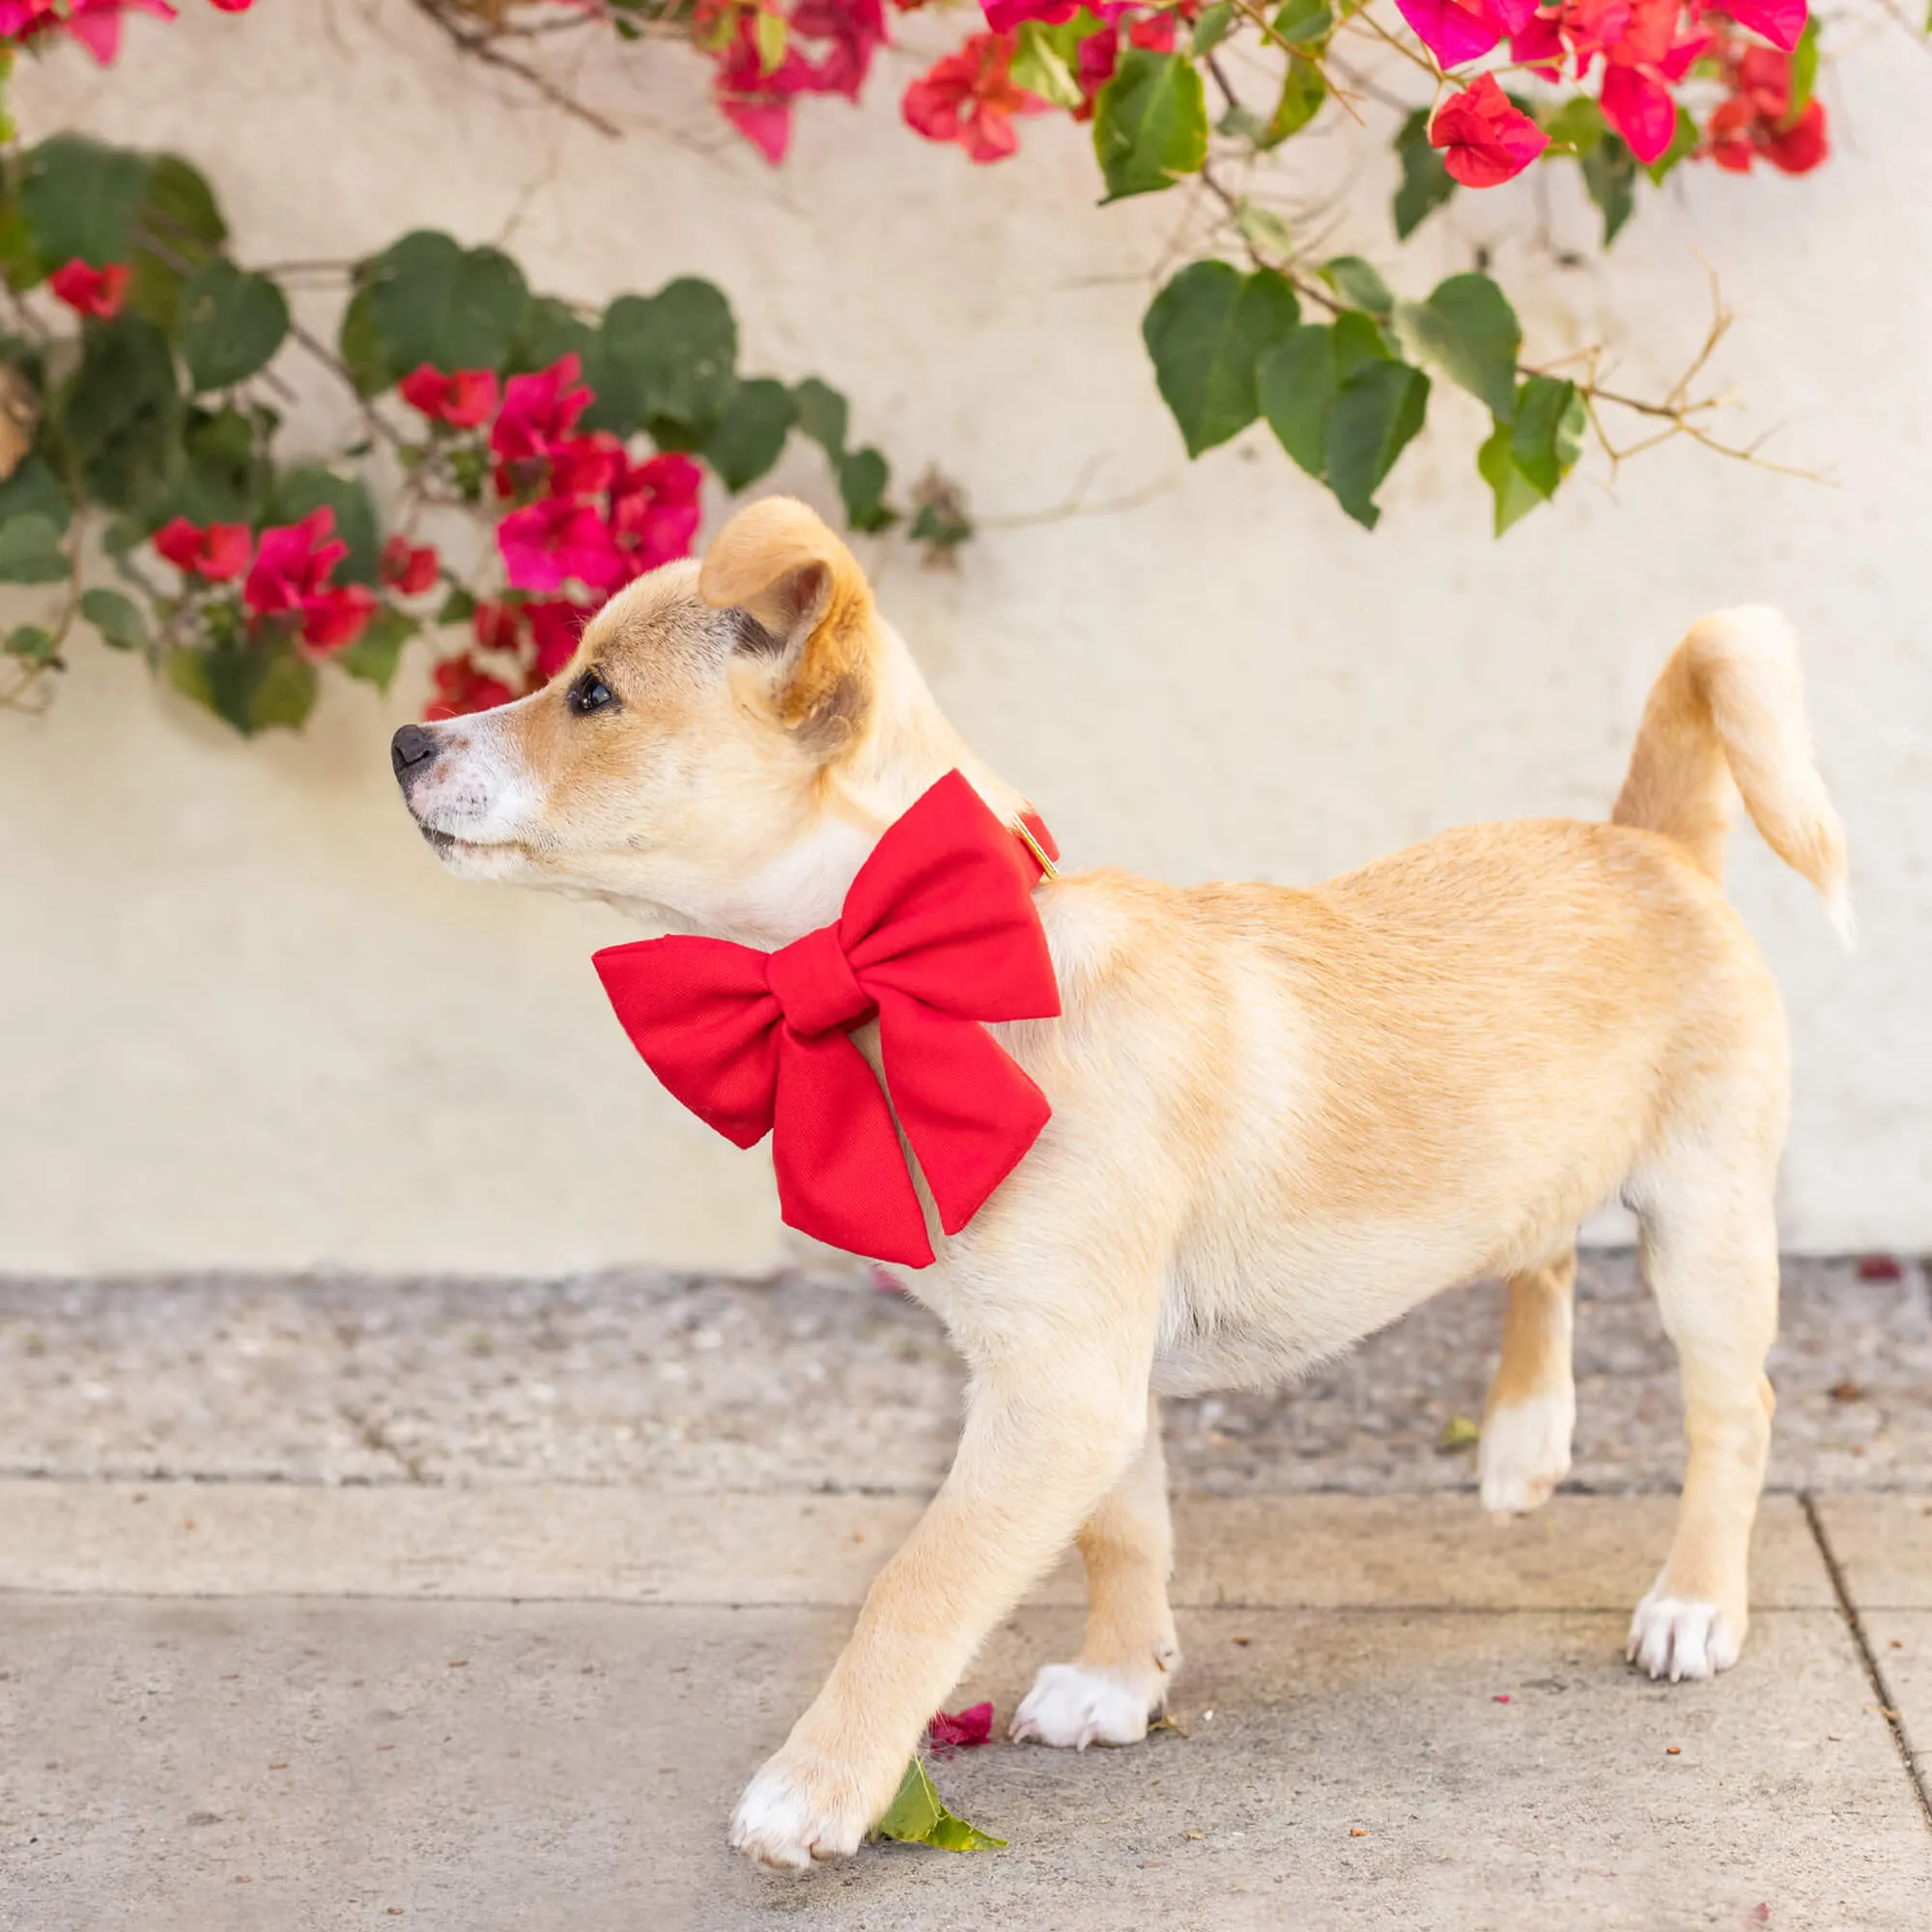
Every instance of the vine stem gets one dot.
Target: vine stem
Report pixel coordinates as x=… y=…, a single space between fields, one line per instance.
x=480 y=42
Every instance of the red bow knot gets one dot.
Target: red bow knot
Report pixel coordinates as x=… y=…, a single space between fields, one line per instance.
x=938 y=933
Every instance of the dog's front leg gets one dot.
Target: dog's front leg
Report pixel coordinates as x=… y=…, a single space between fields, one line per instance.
x=1119 y=1679
x=1049 y=1428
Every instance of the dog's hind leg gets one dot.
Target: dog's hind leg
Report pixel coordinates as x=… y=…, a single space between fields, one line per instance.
x=1710 y=1253
x=1118 y=1681
x=1525 y=1448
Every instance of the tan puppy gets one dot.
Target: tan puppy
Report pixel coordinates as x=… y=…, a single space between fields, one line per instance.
x=1280 y=1117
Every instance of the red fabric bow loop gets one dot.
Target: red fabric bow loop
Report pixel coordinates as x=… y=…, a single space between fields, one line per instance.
x=938 y=934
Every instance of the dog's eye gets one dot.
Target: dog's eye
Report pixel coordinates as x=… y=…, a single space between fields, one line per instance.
x=590 y=694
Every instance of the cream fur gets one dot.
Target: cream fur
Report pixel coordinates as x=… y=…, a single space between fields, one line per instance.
x=1280 y=1117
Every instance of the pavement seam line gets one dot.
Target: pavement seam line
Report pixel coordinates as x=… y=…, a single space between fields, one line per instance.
x=1888 y=1708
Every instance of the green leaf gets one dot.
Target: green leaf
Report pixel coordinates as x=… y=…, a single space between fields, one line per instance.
x=768 y=29
x=1149 y=123
x=32 y=491
x=1359 y=284
x=750 y=434
x=1296 y=382
x=1205 y=330
x=432 y=300
x=1041 y=66
x=1516 y=496
x=1264 y=230
x=33 y=642
x=1803 y=70
x=121 y=414
x=942 y=523
x=1375 y=414
x=1305 y=23
x=821 y=414
x=1302 y=93
x=546 y=331
x=1682 y=144
x=1358 y=338
x=297 y=492
x=374 y=654
x=230 y=324
x=1546 y=437
x=20 y=262
x=178 y=228
x=79 y=199
x=917 y=1817
x=664 y=360
x=862 y=475
x=1577 y=124
x=251 y=686
x=1610 y=174
x=362 y=348
x=1426 y=184
x=458 y=608
x=1214 y=25
x=117 y=618
x=1469 y=329
x=30 y=550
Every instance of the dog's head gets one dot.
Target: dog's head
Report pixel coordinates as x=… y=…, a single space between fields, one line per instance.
x=711 y=757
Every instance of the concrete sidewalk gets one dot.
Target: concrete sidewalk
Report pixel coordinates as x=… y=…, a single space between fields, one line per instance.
x=496 y=1701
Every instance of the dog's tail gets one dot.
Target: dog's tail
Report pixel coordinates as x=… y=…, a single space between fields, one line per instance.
x=1729 y=706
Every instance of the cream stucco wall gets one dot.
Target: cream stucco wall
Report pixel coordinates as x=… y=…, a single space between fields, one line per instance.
x=247 y=1020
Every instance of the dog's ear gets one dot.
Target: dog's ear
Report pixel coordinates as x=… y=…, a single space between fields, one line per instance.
x=809 y=606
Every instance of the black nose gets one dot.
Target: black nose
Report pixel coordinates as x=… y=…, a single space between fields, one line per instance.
x=409 y=750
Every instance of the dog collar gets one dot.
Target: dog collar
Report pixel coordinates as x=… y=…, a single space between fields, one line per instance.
x=938 y=934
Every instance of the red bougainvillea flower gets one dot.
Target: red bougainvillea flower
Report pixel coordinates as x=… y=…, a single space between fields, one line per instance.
x=949 y=1730
x=584 y=465
x=95 y=291
x=1757 y=119
x=408 y=568
x=654 y=511
x=556 y=625
x=462 y=687
x=462 y=400
x=550 y=542
x=1484 y=139
x=1455 y=31
x=1097 y=55
x=498 y=627
x=538 y=412
x=1780 y=21
x=756 y=100
x=969 y=97
x=216 y=553
x=289 y=584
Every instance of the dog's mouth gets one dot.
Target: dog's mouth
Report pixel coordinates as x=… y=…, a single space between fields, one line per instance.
x=450 y=848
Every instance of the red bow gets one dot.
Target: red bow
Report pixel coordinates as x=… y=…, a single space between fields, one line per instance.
x=938 y=933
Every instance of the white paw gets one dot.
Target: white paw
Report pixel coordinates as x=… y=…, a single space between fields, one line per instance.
x=1072 y=1706
x=792 y=1815
x=1525 y=1451
x=1681 y=1636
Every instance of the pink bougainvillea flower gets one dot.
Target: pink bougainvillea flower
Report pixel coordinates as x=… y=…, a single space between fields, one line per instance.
x=757 y=102
x=556 y=625
x=655 y=511
x=93 y=292
x=287 y=584
x=949 y=1730
x=1780 y=21
x=969 y=97
x=549 y=543
x=1484 y=139
x=1757 y=119
x=462 y=400
x=462 y=687
x=96 y=23
x=584 y=465
x=1453 y=33
x=216 y=551
x=538 y=412
x=406 y=568
x=1640 y=108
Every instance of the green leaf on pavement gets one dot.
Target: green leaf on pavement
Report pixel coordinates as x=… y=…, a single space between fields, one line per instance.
x=230 y=324
x=1149 y=123
x=915 y=1816
x=1358 y=283
x=1426 y=184
x=1205 y=331
x=750 y=434
x=117 y=618
x=1469 y=329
